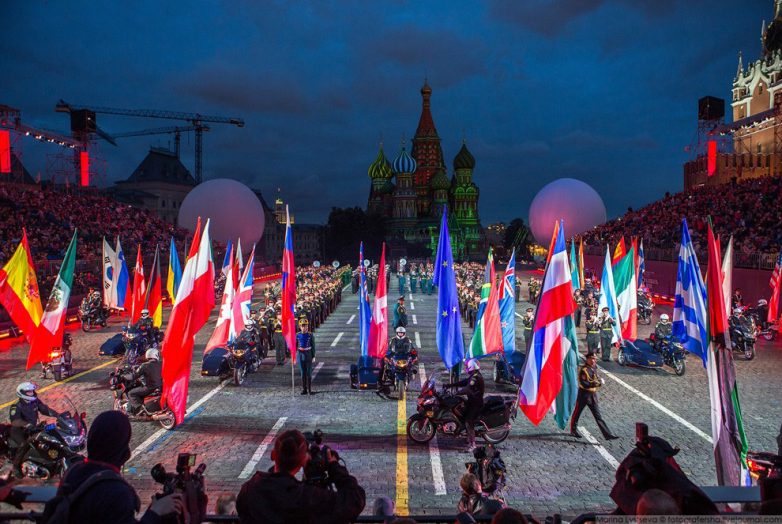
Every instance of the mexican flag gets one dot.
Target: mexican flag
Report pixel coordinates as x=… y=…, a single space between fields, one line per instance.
x=625 y=284
x=49 y=331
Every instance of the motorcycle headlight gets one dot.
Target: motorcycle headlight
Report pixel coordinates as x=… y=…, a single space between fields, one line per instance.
x=239 y=352
x=428 y=402
x=401 y=363
x=130 y=336
x=74 y=441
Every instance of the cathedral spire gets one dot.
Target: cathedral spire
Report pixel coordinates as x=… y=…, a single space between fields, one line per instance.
x=740 y=69
x=426 y=122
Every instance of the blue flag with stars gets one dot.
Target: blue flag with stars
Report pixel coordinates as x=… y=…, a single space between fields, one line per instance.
x=449 y=326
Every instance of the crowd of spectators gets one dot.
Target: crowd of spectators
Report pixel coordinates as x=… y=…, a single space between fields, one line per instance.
x=749 y=210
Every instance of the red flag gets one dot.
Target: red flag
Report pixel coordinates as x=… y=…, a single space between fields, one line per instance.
x=221 y=333
x=774 y=283
x=378 y=328
x=139 y=289
x=619 y=252
x=154 y=298
x=195 y=300
x=289 y=289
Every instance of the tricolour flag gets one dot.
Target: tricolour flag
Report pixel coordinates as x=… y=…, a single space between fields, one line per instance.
x=222 y=332
x=48 y=334
x=153 y=301
x=109 y=265
x=19 y=293
x=289 y=289
x=194 y=302
x=378 y=330
x=244 y=294
x=449 y=328
x=487 y=337
x=727 y=428
x=174 y=272
x=574 y=273
x=608 y=296
x=775 y=284
x=364 y=313
x=626 y=295
x=542 y=375
x=139 y=288
x=507 y=302
x=689 y=304
x=122 y=279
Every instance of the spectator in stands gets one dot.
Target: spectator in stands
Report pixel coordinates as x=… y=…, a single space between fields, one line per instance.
x=111 y=499
x=656 y=502
x=509 y=516
x=277 y=496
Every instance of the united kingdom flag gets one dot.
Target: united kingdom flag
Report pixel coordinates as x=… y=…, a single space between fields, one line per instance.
x=240 y=313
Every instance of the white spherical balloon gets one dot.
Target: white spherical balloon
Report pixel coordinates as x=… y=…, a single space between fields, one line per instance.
x=569 y=199
x=233 y=208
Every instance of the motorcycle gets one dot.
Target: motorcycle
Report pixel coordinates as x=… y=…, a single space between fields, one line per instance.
x=653 y=354
x=645 y=307
x=742 y=335
x=60 y=362
x=764 y=328
x=136 y=342
x=508 y=371
x=90 y=316
x=125 y=378
x=53 y=447
x=260 y=338
x=400 y=368
x=766 y=469
x=236 y=359
x=441 y=411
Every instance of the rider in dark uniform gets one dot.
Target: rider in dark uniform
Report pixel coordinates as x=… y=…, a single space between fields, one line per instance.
x=588 y=384
x=662 y=330
x=23 y=415
x=472 y=387
x=305 y=351
x=151 y=374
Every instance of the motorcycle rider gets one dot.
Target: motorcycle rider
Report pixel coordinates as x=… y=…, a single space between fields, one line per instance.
x=151 y=375
x=472 y=387
x=23 y=415
x=401 y=345
x=737 y=300
x=662 y=331
x=145 y=326
x=247 y=339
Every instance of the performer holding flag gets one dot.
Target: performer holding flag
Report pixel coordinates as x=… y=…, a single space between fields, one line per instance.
x=364 y=313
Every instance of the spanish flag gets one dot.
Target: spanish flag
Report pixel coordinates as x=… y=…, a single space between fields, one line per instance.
x=19 y=290
x=154 y=299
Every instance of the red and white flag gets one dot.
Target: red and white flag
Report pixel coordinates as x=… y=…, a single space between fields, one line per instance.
x=194 y=302
x=240 y=311
x=774 y=284
x=139 y=289
x=378 y=328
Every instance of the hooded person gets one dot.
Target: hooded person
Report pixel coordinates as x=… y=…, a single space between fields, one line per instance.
x=93 y=491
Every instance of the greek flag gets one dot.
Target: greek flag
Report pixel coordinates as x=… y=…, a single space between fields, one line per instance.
x=690 y=314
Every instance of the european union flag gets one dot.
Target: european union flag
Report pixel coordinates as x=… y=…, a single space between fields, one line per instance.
x=449 y=327
x=364 y=313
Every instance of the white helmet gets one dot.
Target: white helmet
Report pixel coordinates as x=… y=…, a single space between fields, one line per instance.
x=152 y=354
x=472 y=365
x=26 y=391
x=664 y=318
x=737 y=311
x=144 y=313
x=401 y=329
x=762 y=302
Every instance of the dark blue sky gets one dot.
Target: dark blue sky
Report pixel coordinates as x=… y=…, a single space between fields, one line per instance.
x=604 y=91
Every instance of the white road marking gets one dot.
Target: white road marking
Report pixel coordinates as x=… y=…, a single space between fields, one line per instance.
x=434 y=450
x=336 y=339
x=412 y=306
x=411 y=296
x=519 y=315
x=159 y=433
x=415 y=320
x=258 y=455
x=417 y=340
x=350 y=319
x=317 y=368
x=600 y=449
x=659 y=406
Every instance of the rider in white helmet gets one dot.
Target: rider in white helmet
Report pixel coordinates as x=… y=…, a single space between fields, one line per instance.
x=23 y=415
x=150 y=374
x=471 y=387
x=662 y=331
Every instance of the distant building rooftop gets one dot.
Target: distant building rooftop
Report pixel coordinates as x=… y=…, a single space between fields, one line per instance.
x=162 y=165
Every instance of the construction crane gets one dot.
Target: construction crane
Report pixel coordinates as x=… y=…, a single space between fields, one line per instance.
x=196 y=120
x=175 y=130
x=11 y=119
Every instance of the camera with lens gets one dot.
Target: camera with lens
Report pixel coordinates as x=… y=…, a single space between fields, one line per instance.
x=316 y=471
x=188 y=482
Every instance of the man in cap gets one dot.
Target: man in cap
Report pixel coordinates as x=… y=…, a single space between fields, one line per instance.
x=305 y=351
x=607 y=324
x=588 y=384
x=400 y=313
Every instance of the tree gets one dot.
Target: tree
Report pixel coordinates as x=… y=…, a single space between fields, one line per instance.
x=518 y=236
x=347 y=228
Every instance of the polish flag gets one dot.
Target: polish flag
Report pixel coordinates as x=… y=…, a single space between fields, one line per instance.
x=194 y=302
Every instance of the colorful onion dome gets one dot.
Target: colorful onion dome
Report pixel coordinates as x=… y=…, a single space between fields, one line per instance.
x=440 y=180
x=380 y=168
x=404 y=163
x=464 y=159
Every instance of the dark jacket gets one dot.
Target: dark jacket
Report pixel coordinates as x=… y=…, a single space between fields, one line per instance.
x=151 y=373
x=112 y=501
x=279 y=498
x=24 y=414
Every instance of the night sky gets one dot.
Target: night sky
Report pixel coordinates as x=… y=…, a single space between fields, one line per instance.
x=603 y=91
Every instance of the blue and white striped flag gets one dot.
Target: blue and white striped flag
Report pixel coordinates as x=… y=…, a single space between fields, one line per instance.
x=690 y=314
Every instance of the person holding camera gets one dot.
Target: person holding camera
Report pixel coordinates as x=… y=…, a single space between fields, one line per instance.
x=277 y=497
x=94 y=492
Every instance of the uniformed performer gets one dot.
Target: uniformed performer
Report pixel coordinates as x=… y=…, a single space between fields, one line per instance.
x=413 y=278
x=588 y=384
x=400 y=313
x=607 y=324
x=280 y=346
x=526 y=323
x=305 y=349
x=593 y=333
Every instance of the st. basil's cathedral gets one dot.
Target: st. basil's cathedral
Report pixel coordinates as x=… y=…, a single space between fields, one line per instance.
x=412 y=191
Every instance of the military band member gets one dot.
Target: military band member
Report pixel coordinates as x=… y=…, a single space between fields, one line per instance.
x=607 y=324
x=305 y=344
x=400 y=313
x=593 y=333
x=588 y=384
x=526 y=323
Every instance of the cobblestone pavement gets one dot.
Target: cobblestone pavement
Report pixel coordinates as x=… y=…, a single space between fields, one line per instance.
x=548 y=470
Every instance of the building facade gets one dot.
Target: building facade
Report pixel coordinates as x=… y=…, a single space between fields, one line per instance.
x=412 y=191
x=750 y=146
x=308 y=239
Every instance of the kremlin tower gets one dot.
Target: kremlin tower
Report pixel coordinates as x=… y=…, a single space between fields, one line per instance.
x=412 y=192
